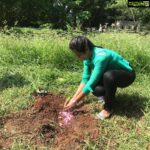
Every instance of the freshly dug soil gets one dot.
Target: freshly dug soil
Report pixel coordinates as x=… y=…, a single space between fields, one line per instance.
x=38 y=125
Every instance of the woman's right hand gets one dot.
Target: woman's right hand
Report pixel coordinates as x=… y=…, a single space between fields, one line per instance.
x=69 y=104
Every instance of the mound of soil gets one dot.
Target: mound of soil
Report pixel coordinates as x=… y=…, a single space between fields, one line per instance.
x=39 y=125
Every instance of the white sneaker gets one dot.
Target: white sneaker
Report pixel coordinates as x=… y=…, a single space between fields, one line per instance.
x=101 y=99
x=102 y=116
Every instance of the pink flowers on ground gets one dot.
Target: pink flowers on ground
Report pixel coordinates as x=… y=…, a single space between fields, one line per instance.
x=64 y=118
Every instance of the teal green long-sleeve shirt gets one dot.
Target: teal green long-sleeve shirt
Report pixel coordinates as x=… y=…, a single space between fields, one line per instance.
x=102 y=60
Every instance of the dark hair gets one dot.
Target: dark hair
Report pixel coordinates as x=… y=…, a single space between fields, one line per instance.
x=80 y=44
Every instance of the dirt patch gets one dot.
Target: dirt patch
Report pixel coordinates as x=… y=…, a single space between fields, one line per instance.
x=39 y=125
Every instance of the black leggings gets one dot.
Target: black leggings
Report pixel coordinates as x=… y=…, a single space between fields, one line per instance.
x=107 y=86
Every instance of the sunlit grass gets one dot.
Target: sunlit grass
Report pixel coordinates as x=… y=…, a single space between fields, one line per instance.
x=32 y=60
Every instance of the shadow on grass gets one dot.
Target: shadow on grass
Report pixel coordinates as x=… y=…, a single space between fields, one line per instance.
x=11 y=80
x=131 y=106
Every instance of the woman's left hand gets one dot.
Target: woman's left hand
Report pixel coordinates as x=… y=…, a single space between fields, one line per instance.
x=70 y=104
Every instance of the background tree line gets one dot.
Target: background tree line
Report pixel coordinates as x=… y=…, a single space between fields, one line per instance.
x=65 y=13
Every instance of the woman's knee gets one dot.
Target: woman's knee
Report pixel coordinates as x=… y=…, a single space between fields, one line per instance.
x=99 y=91
x=108 y=76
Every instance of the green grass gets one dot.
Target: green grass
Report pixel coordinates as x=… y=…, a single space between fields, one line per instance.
x=35 y=58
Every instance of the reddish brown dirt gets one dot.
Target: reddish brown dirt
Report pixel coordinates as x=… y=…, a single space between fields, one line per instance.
x=38 y=125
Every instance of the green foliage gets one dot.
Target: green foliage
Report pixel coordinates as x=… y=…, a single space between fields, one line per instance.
x=65 y=13
x=58 y=13
x=123 y=12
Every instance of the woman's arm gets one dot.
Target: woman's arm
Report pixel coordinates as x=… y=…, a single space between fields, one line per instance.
x=73 y=101
x=76 y=98
x=81 y=86
x=79 y=94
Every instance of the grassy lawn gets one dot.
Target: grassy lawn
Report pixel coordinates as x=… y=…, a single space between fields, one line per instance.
x=32 y=58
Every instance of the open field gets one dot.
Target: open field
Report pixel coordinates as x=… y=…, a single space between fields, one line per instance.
x=32 y=58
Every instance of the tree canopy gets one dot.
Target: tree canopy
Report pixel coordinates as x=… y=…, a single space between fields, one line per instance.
x=63 y=13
